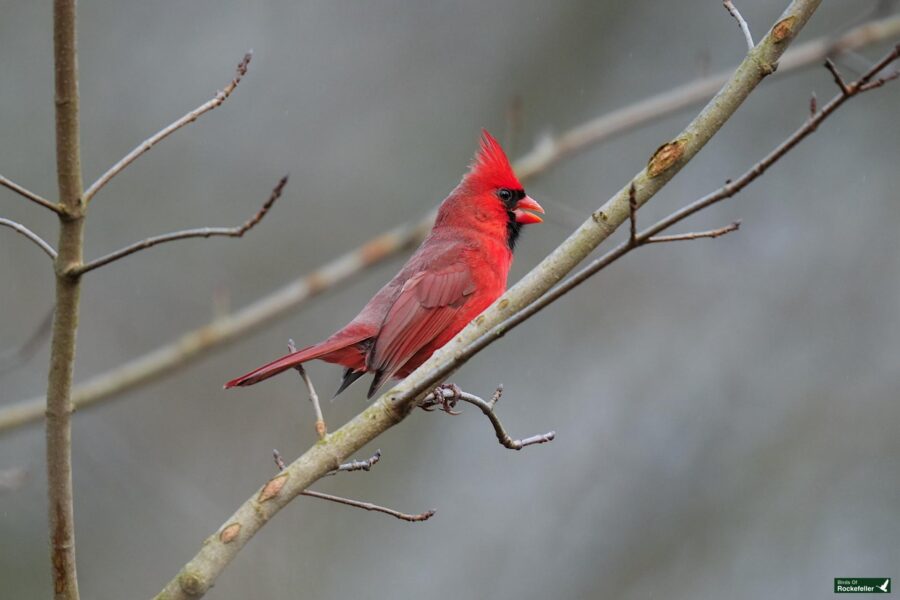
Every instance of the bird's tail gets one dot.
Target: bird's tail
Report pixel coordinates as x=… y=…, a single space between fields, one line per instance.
x=335 y=349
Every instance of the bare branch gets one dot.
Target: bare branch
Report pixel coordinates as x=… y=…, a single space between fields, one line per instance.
x=838 y=79
x=47 y=248
x=13 y=357
x=363 y=465
x=734 y=12
x=712 y=234
x=162 y=134
x=424 y=516
x=201 y=232
x=446 y=397
x=878 y=82
x=321 y=428
x=29 y=195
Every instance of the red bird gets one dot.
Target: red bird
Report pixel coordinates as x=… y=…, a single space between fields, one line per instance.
x=457 y=272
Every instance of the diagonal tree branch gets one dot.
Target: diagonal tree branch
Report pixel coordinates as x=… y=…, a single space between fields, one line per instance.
x=199 y=574
x=195 y=344
x=143 y=147
x=200 y=232
x=29 y=194
x=47 y=248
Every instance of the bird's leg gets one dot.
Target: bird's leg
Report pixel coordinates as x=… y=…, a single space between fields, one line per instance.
x=444 y=396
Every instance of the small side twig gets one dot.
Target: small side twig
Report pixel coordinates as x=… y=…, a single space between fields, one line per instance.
x=162 y=134
x=838 y=79
x=358 y=465
x=13 y=357
x=423 y=516
x=321 y=428
x=711 y=234
x=734 y=12
x=47 y=248
x=203 y=232
x=446 y=397
x=878 y=82
x=29 y=195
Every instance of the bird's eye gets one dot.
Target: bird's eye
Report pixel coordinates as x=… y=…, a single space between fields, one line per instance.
x=505 y=194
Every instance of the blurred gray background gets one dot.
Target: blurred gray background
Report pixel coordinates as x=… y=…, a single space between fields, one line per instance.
x=726 y=410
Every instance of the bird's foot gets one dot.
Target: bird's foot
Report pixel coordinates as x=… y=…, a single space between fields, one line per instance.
x=444 y=397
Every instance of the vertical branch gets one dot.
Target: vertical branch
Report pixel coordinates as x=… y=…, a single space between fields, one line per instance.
x=65 y=323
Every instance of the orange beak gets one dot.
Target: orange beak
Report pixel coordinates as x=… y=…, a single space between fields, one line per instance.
x=525 y=204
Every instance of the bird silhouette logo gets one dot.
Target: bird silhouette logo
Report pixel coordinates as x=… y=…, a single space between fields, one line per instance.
x=886 y=586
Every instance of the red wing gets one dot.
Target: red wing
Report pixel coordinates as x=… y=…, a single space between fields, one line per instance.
x=427 y=304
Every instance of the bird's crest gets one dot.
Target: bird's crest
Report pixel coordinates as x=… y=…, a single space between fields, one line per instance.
x=490 y=168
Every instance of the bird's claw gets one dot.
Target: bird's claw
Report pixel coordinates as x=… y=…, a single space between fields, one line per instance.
x=445 y=397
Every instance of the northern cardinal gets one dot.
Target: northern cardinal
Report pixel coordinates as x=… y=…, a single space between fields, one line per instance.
x=457 y=272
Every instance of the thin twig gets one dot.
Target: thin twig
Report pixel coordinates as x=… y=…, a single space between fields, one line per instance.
x=193 y=345
x=201 y=232
x=29 y=194
x=358 y=465
x=279 y=461
x=878 y=82
x=13 y=357
x=321 y=428
x=495 y=397
x=712 y=234
x=838 y=79
x=446 y=397
x=734 y=12
x=162 y=134
x=424 y=516
x=47 y=248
